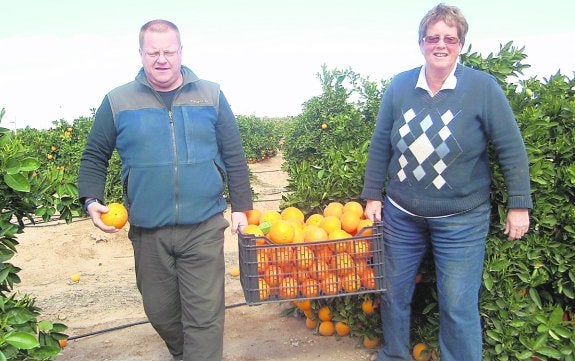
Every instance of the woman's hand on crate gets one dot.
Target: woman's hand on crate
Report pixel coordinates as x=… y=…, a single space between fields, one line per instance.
x=373 y=210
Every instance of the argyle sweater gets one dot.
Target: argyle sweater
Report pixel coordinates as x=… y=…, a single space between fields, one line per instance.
x=430 y=154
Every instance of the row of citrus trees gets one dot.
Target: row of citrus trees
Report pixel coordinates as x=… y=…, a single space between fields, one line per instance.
x=528 y=297
x=528 y=294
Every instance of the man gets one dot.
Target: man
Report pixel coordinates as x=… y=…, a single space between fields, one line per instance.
x=180 y=146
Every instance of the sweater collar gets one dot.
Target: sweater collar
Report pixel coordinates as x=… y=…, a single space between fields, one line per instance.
x=450 y=81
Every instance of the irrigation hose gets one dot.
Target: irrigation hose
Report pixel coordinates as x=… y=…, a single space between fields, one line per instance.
x=115 y=328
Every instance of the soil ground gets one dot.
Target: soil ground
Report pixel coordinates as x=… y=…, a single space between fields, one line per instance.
x=104 y=313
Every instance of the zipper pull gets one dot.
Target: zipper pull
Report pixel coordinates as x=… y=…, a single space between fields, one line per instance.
x=170 y=114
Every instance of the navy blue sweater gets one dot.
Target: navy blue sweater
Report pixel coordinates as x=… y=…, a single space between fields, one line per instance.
x=430 y=154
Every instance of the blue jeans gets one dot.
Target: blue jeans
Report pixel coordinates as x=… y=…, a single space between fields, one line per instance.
x=458 y=246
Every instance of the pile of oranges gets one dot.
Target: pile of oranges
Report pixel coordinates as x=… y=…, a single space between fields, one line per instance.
x=325 y=254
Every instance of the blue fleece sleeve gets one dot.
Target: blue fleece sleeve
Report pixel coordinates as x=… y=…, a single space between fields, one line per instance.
x=97 y=153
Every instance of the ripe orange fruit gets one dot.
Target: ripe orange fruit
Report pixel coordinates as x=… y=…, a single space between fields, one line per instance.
x=333 y=209
x=264 y=289
x=263 y=260
x=330 y=224
x=319 y=270
x=314 y=219
x=324 y=313
x=116 y=216
x=351 y=282
x=325 y=254
x=254 y=216
x=326 y=328
x=303 y=305
x=353 y=207
x=359 y=249
x=342 y=328
x=304 y=257
x=314 y=234
x=63 y=342
x=421 y=352
x=311 y=324
x=292 y=213
x=349 y=222
x=281 y=232
x=252 y=229
x=273 y=276
x=309 y=288
x=235 y=271
x=364 y=227
x=330 y=285
x=370 y=343
x=282 y=257
x=368 y=307
x=270 y=216
x=343 y=264
x=289 y=288
x=368 y=278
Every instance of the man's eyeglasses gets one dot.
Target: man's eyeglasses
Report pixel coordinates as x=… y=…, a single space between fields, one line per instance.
x=434 y=39
x=168 y=54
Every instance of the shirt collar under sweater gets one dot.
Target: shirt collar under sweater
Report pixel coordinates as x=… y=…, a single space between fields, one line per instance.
x=449 y=83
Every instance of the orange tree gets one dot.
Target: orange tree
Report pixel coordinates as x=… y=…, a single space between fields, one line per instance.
x=527 y=299
x=24 y=190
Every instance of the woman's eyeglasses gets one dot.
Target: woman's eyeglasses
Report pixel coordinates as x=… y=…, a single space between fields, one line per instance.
x=434 y=39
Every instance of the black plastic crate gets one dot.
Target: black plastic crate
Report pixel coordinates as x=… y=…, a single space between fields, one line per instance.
x=287 y=272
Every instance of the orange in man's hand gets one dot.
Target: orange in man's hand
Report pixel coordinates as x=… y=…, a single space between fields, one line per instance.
x=116 y=216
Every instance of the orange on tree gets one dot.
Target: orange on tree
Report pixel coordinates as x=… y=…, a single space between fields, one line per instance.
x=326 y=328
x=292 y=213
x=342 y=328
x=324 y=313
x=333 y=209
x=368 y=307
x=303 y=305
x=116 y=216
x=421 y=352
x=281 y=232
x=254 y=216
x=310 y=323
x=370 y=343
x=289 y=288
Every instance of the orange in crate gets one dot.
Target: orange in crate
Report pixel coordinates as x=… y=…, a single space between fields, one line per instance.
x=330 y=285
x=273 y=275
x=343 y=264
x=282 y=256
x=309 y=288
x=304 y=257
x=289 y=288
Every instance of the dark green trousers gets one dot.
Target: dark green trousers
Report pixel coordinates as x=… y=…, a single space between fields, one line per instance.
x=180 y=273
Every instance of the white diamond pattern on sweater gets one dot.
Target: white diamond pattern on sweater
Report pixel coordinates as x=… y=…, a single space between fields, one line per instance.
x=427 y=147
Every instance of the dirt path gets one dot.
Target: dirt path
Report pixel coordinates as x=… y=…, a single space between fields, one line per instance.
x=106 y=297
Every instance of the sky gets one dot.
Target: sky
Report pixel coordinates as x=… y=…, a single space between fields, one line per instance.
x=61 y=57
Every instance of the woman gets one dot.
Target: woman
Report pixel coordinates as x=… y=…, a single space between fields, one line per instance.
x=429 y=155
